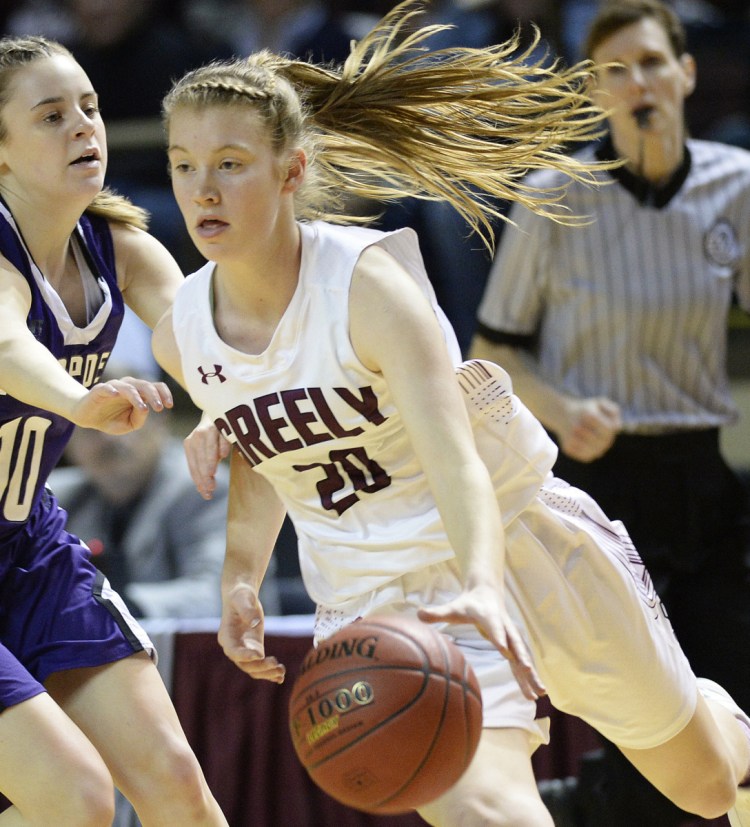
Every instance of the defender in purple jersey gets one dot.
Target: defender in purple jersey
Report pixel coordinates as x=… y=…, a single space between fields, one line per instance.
x=81 y=702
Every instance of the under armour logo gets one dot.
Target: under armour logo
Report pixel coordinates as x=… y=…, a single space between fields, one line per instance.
x=212 y=374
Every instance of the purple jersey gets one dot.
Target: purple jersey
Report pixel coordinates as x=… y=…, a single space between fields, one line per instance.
x=32 y=440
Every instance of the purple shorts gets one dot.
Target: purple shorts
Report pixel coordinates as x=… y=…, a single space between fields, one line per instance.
x=57 y=611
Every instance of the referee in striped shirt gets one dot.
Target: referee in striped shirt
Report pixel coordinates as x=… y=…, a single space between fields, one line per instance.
x=615 y=336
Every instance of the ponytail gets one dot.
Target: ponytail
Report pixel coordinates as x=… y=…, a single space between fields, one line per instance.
x=118 y=209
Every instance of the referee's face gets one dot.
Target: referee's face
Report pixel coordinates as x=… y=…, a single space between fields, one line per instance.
x=646 y=89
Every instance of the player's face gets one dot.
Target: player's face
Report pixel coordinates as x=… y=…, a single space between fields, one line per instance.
x=55 y=145
x=650 y=83
x=231 y=187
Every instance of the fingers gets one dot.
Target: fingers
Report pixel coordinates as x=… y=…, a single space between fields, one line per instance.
x=242 y=642
x=241 y=634
x=440 y=614
x=205 y=483
x=527 y=679
x=589 y=440
x=268 y=669
x=611 y=412
x=114 y=407
x=225 y=447
x=510 y=644
x=155 y=395
x=204 y=449
x=122 y=405
x=589 y=428
x=257 y=666
x=123 y=389
x=504 y=637
x=523 y=669
x=206 y=487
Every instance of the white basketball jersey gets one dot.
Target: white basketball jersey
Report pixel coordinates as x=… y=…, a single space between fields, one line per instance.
x=324 y=430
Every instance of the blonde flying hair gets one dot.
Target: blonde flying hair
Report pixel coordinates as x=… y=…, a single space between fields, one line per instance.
x=15 y=54
x=460 y=125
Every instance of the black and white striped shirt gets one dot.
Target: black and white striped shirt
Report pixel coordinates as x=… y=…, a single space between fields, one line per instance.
x=633 y=306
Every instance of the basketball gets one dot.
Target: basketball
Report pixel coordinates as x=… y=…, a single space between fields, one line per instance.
x=386 y=714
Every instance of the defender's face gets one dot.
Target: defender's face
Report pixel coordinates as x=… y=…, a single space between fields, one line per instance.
x=55 y=144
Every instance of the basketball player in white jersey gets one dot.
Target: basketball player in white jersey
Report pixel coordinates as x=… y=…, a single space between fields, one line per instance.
x=615 y=335
x=417 y=486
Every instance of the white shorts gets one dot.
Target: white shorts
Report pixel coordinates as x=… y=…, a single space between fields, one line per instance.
x=587 y=609
x=602 y=642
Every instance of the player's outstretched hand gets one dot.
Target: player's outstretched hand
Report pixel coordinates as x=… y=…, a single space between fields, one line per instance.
x=485 y=609
x=120 y=405
x=241 y=635
x=205 y=448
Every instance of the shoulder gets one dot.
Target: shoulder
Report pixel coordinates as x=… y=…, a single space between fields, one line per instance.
x=383 y=287
x=331 y=252
x=188 y=323
x=714 y=149
x=194 y=284
x=142 y=259
x=711 y=158
x=131 y=242
x=326 y=237
x=572 y=196
x=553 y=178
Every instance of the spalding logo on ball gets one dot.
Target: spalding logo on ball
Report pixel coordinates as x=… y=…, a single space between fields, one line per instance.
x=386 y=714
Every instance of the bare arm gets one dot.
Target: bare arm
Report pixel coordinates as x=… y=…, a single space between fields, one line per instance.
x=585 y=427
x=29 y=372
x=148 y=276
x=205 y=447
x=384 y=303
x=165 y=348
x=255 y=515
